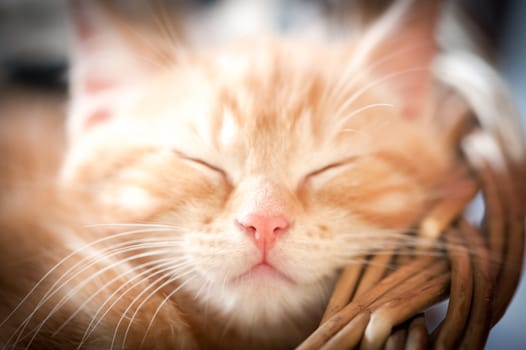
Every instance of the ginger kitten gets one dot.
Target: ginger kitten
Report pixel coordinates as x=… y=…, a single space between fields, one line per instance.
x=208 y=198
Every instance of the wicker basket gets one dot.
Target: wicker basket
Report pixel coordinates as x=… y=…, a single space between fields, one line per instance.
x=373 y=307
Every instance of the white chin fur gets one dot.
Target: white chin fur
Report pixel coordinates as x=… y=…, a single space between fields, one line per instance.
x=262 y=306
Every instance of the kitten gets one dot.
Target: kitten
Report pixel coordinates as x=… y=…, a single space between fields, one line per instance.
x=208 y=198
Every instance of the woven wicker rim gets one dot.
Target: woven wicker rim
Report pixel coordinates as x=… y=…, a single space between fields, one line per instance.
x=373 y=307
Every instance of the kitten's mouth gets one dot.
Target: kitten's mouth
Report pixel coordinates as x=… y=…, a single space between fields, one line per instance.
x=263 y=271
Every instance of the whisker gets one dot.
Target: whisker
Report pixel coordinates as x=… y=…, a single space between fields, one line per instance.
x=140 y=295
x=357 y=111
x=61 y=262
x=197 y=295
x=93 y=324
x=149 y=225
x=347 y=103
x=70 y=294
x=54 y=289
x=342 y=85
x=150 y=324
x=110 y=282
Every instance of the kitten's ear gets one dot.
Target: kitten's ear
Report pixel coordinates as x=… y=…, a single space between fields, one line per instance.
x=109 y=53
x=405 y=46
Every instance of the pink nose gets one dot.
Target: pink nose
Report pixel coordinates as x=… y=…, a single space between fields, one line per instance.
x=264 y=228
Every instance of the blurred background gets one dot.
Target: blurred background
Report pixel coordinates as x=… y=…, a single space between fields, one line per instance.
x=34 y=46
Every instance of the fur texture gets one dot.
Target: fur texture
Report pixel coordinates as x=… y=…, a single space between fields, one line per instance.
x=138 y=240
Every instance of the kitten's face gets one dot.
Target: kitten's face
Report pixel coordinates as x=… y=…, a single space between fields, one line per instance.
x=274 y=170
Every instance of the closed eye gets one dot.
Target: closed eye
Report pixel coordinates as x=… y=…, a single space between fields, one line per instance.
x=204 y=164
x=331 y=166
x=325 y=168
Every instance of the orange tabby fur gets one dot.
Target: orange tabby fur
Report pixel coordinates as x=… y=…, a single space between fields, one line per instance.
x=184 y=149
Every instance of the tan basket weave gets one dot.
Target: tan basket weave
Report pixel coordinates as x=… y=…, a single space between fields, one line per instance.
x=373 y=307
